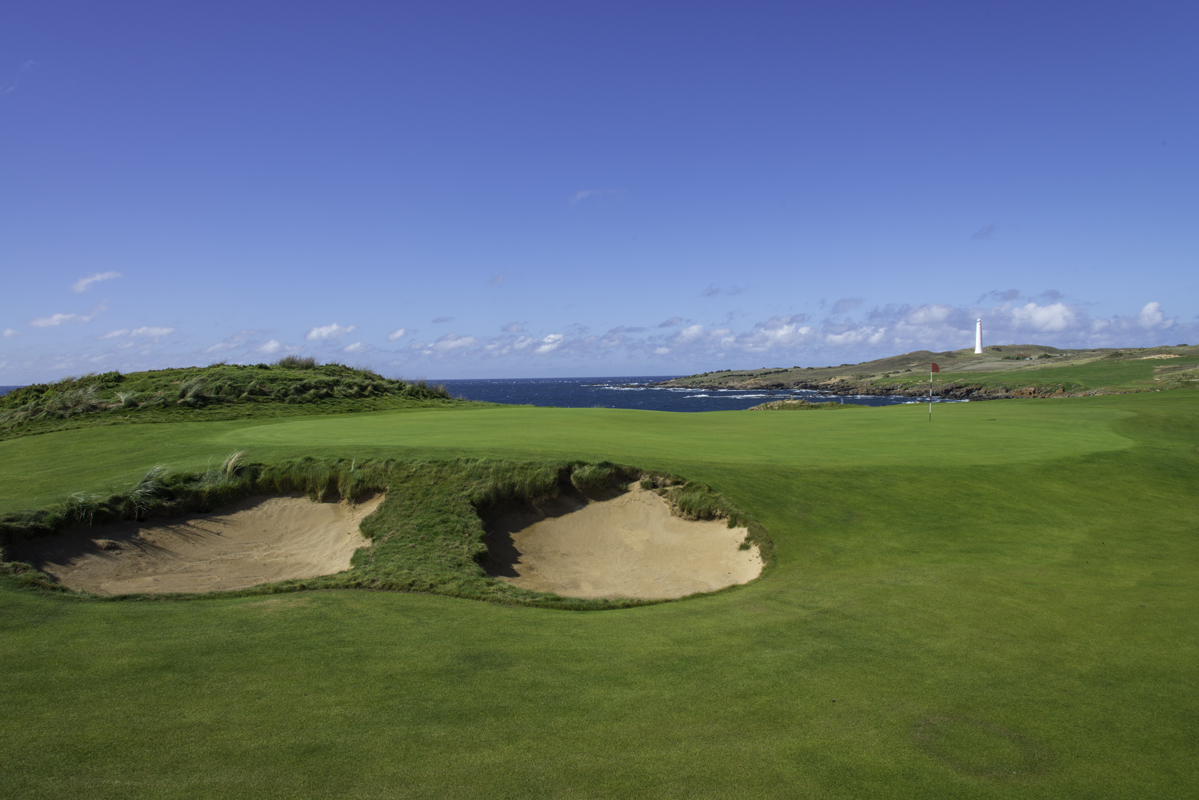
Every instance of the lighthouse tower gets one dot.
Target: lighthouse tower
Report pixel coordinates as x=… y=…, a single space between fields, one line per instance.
x=978 y=338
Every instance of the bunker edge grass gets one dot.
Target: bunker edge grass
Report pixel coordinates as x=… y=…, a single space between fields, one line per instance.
x=428 y=536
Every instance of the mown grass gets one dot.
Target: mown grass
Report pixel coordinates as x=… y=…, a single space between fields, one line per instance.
x=1106 y=373
x=40 y=469
x=997 y=604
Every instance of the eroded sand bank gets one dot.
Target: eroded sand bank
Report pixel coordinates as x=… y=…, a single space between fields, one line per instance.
x=630 y=546
x=259 y=540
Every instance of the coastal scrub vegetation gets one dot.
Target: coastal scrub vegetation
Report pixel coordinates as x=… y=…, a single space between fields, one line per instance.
x=428 y=535
x=221 y=391
x=1000 y=372
x=799 y=405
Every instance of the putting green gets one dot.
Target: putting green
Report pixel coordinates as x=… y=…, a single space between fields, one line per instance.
x=959 y=433
x=43 y=469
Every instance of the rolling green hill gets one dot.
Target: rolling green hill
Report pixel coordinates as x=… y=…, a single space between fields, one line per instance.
x=222 y=391
x=999 y=372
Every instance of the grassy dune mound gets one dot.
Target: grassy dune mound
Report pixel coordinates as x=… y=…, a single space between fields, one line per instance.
x=999 y=372
x=427 y=536
x=798 y=405
x=220 y=391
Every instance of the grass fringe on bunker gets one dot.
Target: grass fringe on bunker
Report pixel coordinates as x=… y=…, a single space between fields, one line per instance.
x=427 y=536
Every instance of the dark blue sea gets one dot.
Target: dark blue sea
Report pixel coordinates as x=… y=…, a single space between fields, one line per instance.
x=636 y=392
x=631 y=392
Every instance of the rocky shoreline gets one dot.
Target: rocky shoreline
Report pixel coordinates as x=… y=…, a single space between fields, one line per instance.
x=951 y=391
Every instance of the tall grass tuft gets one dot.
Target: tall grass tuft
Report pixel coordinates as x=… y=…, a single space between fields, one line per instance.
x=296 y=362
x=146 y=493
x=128 y=399
x=233 y=462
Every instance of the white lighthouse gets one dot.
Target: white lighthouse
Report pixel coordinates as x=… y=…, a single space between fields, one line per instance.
x=978 y=338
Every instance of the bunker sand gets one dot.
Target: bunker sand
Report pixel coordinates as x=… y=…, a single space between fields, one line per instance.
x=631 y=546
x=259 y=540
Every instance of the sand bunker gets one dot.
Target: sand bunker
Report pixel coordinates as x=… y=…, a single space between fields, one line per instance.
x=631 y=546
x=259 y=540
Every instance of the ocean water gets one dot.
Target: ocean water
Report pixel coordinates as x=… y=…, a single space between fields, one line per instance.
x=635 y=392
x=631 y=392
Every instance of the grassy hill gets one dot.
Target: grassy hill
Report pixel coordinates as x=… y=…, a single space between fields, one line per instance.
x=222 y=391
x=1003 y=371
x=997 y=603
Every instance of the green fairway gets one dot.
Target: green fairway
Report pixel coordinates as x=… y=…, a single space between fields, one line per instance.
x=1132 y=373
x=41 y=469
x=999 y=603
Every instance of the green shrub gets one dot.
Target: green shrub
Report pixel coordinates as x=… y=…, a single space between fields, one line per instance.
x=295 y=362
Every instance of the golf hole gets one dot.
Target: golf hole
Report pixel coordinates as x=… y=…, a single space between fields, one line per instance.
x=628 y=546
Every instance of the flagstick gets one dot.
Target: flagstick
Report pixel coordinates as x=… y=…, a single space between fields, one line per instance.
x=930 y=394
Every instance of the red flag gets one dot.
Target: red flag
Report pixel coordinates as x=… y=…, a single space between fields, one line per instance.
x=935 y=368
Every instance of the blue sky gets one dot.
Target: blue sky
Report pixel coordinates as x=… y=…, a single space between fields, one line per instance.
x=451 y=190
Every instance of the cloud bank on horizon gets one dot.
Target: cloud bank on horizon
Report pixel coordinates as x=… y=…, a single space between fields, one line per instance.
x=790 y=185
x=674 y=346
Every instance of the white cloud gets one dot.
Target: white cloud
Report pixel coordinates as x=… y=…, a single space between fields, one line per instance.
x=1151 y=316
x=854 y=334
x=776 y=332
x=10 y=332
x=930 y=314
x=150 y=332
x=332 y=332
x=115 y=334
x=498 y=280
x=398 y=333
x=12 y=86
x=55 y=319
x=714 y=290
x=243 y=338
x=273 y=346
x=58 y=319
x=82 y=284
x=449 y=343
x=846 y=304
x=1044 y=319
x=583 y=194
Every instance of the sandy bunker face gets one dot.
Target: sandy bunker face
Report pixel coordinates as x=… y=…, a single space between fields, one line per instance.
x=630 y=546
x=259 y=540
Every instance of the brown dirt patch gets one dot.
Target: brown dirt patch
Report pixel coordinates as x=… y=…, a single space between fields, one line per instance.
x=259 y=540
x=630 y=546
